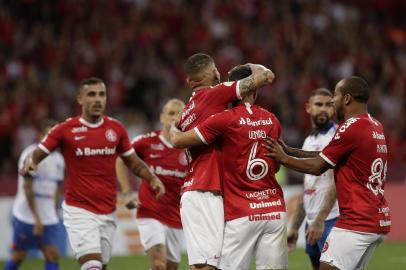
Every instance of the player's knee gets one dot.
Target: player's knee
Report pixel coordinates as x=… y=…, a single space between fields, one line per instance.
x=18 y=256
x=92 y=265
x=158 y=264
x=51 y=254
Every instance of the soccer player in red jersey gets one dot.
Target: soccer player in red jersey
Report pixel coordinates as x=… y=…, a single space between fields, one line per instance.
x=253 y=201
x=358 y=154
x=90 y=144
x=202 y=212
x=159 y=220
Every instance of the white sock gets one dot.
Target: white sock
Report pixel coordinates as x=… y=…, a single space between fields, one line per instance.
x=92 y=265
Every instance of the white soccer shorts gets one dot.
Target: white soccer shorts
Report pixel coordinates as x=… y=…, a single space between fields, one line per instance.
x=261 y=236
x=89 y=232
x=202 y=215
x=153 y=232
x=346 y=249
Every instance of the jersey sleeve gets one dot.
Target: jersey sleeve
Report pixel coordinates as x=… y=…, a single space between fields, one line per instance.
x=139 y=144
x=225 y=93
x=342 y=144
x=213 y=127
x=124 y=147
x=53 y=139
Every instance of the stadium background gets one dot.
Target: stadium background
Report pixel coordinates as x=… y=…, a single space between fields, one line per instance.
x=139 y=46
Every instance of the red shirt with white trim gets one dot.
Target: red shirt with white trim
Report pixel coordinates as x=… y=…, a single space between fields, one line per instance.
x=170 y=165
x=358 y=154
x=250 y=187
x=204 y=171
x=90 y=152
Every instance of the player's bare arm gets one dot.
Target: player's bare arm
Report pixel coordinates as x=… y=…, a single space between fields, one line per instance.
x=181 y=139
x=29 y=194
x=316 y=229
x=315 y=165
x=123 y=180
x=260 y=77
x=298 y=217
x=296 y=152
x=140 y=169
x=31 y=162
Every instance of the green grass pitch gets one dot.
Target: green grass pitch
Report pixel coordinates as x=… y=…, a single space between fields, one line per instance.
x=388 y=256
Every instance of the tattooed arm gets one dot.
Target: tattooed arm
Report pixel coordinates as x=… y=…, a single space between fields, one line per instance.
x=260 y=77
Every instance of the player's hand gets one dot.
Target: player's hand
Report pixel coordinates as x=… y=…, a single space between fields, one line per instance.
x=38 y=229
x=293 y=235
x=29 y=168
x=158 y=187
x=274 y=149
x=130 y=201
x=314 y=232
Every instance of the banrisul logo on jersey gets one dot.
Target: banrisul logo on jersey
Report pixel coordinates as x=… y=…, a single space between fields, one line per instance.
x=87 y=151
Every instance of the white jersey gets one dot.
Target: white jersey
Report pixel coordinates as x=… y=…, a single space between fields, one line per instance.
x=316 y=187
x=50 y=172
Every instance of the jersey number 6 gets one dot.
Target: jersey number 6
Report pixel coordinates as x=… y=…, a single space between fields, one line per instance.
x=260 y=165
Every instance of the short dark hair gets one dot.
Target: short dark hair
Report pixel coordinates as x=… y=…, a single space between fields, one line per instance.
x=239 y=72
x=90 y=81
x=357 y=87
x=197 y=63
x=47 y=124
x=321 y=92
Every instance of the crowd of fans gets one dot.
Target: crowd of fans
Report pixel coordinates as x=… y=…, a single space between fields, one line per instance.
x=139 y=46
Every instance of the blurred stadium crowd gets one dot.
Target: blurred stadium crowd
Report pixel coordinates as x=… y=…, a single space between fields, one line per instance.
x=139 y=46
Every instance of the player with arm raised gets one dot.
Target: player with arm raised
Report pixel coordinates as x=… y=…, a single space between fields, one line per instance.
x=159 y=220
x=90 y=144
x=358 y=154
x=318 y=204
x=253 y=201
x=202 y=212
x=35 y=221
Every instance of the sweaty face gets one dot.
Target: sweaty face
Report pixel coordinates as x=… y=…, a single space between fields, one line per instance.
x=338 y=101
x=321 y=110
x=93 y=100
x=170 y=113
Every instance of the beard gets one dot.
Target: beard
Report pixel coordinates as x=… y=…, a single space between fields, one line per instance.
x=321 y=121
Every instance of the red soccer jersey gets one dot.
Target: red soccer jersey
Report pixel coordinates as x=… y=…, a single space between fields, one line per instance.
x=250 y=187
x=90 y=152
x=358 y=153
x=170 y=165
x=204 y=171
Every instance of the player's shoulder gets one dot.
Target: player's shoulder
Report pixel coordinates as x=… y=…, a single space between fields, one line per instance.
x=147 y=137
x=113 y=121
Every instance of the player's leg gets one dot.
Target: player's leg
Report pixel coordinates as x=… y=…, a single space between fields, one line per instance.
x=83 y=228
x=107 y=231
x=344 y=249
x=202 y=216
x=49 y=247
x=152 y=235
x=240 y=238
x=174 y=239
x=272 y=247
x=362 y=264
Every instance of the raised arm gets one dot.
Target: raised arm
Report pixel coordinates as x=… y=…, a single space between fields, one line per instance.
x=184 y=139
x=296 y=152
x=260 y=77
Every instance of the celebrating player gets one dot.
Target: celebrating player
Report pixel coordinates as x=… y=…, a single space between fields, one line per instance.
x=202 y=211
x=159 y=220
x=90 y=144
x=358 y=154
x=318 y=203
x=35 y=221
x=253 y=201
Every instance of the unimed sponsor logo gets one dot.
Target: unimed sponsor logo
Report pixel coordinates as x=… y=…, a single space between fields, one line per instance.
x=262 y=217
x=87 y=151
x=265 y=204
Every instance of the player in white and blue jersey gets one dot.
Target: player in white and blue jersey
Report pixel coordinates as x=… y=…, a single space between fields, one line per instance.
x=35 y=220
x=318 y=205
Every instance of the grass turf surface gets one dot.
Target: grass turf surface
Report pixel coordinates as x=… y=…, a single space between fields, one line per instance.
x=390 y=256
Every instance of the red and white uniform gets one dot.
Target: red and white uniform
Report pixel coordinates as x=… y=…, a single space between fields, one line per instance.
x=90 y=151
x=159 y=220
x=358 y=153
x=204 y=171
x=253 y=200
x=170 y=165
x=202 y=211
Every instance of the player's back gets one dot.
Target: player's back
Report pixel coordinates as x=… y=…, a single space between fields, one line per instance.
x=203 y=161
x=250 y=186
x=360 y=174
